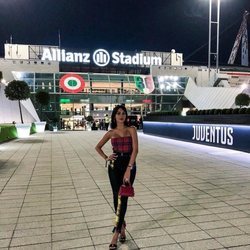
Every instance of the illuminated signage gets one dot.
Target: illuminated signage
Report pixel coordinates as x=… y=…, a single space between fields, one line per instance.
x=72 y=83
x=100 y=57
x=222 y=135
x=64 y=100
x=213 y=134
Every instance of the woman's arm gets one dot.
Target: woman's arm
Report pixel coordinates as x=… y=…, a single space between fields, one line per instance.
x=101 y=143
x=133 y=133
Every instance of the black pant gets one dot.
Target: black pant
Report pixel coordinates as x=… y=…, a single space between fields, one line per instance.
x=116 y=174
x=106 y=126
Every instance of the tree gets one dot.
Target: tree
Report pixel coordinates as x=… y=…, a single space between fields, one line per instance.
x=89 y=118
x=242 y=100
x=17 y=91
x=43 y=98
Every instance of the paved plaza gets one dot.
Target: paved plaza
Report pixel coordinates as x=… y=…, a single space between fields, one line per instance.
x=55 y=194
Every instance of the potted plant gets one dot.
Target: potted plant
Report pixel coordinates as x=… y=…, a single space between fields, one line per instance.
x=18 y=91
x=43 y=99
x=55 y=121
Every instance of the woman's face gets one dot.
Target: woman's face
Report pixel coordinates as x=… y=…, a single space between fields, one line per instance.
x=120 y=116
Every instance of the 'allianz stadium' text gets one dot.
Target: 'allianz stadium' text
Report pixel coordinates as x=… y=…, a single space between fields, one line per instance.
x=60 y=55
x=213 y=134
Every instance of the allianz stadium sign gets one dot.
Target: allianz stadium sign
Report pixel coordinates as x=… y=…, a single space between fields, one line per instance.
x=100 y=57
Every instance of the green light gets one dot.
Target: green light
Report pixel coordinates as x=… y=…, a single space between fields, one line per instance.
x=64 y=100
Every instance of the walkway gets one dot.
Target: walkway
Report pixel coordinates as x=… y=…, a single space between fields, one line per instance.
x=55 y=194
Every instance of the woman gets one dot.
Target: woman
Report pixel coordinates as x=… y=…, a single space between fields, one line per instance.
x=122 y=168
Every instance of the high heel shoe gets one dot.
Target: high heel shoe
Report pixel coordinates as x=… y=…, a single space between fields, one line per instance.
x=112 y=247
x=122 y=238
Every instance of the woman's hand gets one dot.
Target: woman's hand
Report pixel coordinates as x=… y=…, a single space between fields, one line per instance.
x=111 y=157
x=126 y=177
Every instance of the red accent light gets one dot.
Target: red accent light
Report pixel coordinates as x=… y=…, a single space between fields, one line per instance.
x=147 y=101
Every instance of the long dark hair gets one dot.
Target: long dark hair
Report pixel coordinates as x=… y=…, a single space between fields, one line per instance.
x=113 y=120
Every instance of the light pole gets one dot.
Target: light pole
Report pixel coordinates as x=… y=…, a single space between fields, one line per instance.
x=217 y=23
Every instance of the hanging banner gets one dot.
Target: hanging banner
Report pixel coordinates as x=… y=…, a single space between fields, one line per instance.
x=72 y=83
x=144 y=83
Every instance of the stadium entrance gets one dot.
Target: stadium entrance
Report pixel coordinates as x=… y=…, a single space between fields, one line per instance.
x=83 y=116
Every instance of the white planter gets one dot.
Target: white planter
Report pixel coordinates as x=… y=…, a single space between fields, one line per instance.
x=88 y=126
x=23 y=129
x=55 y=128
x=40 y=126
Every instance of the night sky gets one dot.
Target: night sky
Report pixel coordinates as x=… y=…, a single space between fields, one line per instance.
x=156 y=25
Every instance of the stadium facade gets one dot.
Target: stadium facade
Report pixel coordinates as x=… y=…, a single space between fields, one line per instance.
x=82 y=83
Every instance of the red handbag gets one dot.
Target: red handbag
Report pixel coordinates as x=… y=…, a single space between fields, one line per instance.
x=127 y=191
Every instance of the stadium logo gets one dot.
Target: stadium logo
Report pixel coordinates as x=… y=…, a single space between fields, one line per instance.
x=101 y=57
x=72 y=83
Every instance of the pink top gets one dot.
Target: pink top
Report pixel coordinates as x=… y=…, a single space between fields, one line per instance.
x=122 y=144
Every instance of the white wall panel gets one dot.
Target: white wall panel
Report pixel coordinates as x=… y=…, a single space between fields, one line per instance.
x=9 y=110
x=211 y=97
